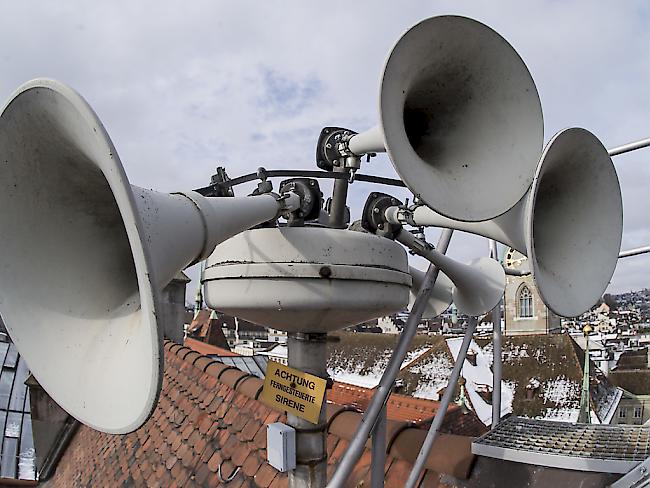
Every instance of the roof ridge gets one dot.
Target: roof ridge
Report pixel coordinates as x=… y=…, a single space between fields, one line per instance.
x=231 y=376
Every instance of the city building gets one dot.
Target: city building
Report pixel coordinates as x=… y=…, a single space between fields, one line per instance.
x=278 y=353
x=276 y=335
x=632 y=374
x=388 y=325
x=525 y=312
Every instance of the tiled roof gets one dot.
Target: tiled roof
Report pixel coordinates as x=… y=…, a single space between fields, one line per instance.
x=631 y=360
x=554 y=360
x=635 y=381
x=255 y=365
x=207 y=349
x=208 y=426
x=409 y=409
x=632 y=372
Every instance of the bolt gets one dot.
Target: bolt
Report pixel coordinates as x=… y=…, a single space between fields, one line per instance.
x=375 y=210
x=325 y=271
x=328 y=146
x=380 y=226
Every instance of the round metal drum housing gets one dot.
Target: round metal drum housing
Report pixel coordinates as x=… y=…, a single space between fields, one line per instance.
x=307 y=279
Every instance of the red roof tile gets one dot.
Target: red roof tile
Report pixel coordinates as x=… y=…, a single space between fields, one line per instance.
x=205 y=348
x=409 y=409
x=205 y=431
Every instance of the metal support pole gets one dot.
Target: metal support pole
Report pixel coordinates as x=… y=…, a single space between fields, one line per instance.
x=378 y=462
x=308 y=353
x=339 y=199
x=442 y=409
x=497 y=363
x=637 y=477
x=632 y=146
x=355 y=448
x=634 y=252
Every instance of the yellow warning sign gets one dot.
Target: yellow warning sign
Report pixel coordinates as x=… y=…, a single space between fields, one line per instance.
x=294 y=391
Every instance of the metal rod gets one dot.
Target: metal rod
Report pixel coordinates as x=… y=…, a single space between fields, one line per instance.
x=290 y=173
x=497 y=363
x=378 y=462
x=632 y=146
x=637 y=477
x=623 y=254
x=355 y=449
x=308 y=352
x=634 y=252
x=339 y=199
x=442 y=409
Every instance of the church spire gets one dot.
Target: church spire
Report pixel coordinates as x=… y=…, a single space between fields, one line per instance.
x=584 y=415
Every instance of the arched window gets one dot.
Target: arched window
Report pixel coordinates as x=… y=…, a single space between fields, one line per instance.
x=524 y=302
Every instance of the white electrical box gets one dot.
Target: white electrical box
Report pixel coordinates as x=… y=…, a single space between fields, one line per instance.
x=281 y=446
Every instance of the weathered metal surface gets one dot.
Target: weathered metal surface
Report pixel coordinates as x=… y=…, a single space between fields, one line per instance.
x=306 y=279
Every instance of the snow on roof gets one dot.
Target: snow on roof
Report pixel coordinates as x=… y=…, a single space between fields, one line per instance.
x=433 y=374
x=552 y=360
x=361 y=358
x=277 y=350
x=479 y=379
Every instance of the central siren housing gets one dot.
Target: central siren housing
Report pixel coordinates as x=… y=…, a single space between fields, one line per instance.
x=307 y=279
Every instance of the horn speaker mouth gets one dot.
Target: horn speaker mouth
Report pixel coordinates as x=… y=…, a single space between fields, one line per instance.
x=461 y=118
x=75 y=290
x=576 y=223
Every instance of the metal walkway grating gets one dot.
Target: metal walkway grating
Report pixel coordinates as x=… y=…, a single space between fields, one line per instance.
x=584 y=447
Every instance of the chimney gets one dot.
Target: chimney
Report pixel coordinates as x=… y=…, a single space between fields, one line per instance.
x=471 y=357
x=532 y=388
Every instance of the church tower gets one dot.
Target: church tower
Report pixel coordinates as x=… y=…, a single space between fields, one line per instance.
x=525 y=312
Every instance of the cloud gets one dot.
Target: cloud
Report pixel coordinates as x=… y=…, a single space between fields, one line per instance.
x=184 y=87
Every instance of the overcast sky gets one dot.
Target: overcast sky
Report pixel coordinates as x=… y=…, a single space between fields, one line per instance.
x=185 y=86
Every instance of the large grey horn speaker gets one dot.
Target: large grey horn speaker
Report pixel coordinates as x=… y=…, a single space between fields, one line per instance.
x=460 y=118
x=569 y=224
x=84 y=256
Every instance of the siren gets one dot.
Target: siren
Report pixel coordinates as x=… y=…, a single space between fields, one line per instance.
x=460 y=119
x=569 y=224
x=440 y=298
x=85 y=256
x=477 y=286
